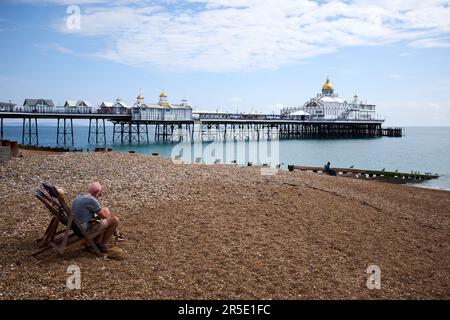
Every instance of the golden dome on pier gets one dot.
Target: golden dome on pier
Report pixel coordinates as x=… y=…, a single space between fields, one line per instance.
x=327 y=85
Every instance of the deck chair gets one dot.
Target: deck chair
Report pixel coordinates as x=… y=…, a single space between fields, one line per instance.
x=71 y=235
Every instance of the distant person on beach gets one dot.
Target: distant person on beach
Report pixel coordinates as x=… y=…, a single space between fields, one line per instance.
x=328 y=169
x=87 y=208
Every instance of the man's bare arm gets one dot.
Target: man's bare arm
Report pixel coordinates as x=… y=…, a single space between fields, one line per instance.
x=104 y=213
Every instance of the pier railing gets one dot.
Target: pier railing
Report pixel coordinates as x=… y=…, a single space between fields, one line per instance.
x=61 y=110
x=197 y=116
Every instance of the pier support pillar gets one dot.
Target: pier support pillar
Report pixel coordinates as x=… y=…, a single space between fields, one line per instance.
x=1 y=128
x=139 y=133
x=30 y=135
x=130 y=132
x=64 y=134
x=162 y=132
x=97 y=131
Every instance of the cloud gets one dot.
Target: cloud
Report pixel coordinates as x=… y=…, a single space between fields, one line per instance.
x=59 y=2
x=237 y=100
x=404 y=54
x=396 y=76
x=9 y=79
x=431 y=43
x=236 y=35
x=54 y=46
x=410 y=113
x=274 y=108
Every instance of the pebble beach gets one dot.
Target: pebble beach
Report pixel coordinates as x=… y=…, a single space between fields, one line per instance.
x=226 y=232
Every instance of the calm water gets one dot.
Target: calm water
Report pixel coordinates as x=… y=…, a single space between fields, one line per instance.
x=421 y=149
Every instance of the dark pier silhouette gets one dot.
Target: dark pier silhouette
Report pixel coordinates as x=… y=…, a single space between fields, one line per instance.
x=210 y=127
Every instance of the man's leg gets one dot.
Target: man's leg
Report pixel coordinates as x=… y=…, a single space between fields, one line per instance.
x=117 y=232
x=112 y=223
x=106 y=211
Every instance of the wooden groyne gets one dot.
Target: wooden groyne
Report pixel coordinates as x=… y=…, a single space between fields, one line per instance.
x=8 y=150
x=364 y=173
x=11 y=149
x=48 y=148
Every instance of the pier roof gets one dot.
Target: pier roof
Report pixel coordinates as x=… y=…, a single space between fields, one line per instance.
x=299 y=113
x=77 y=103
x=332 y=99
x=106 y=104
x=7 y=104
x=35 y=102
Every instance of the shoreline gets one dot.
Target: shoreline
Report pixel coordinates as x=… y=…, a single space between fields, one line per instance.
x=227 y=232
x=32 y=152
x=428 y=187
x=37 y=152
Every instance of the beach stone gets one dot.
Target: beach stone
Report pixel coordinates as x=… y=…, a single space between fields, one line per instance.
x=224 y=232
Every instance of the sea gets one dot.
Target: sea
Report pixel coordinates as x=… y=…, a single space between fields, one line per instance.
x=421 y=149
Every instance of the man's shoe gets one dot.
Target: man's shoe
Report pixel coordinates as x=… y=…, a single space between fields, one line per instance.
x=103 y=248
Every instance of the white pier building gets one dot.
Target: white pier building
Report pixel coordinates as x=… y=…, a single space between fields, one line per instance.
x=161 y=111
x=329 y=106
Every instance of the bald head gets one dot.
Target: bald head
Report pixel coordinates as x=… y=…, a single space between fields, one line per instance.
x=95 y=189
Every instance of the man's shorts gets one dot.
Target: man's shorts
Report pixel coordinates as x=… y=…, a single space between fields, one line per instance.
x=95 y=225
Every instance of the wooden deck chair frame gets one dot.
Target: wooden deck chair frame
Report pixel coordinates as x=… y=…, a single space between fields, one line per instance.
x=65 y=238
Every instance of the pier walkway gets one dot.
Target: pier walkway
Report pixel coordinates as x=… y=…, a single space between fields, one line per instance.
x=220 y=126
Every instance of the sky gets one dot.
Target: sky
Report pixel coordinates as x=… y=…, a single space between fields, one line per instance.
x=247 y=55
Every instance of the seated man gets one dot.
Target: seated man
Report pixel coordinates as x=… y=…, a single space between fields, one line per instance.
x=328 y=169
x=86 y=207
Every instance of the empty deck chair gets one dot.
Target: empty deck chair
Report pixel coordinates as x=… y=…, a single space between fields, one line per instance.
x=72 y=235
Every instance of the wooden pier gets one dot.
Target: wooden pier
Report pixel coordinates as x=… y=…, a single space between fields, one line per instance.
x=285 y=129
x=364 y=173
x=64 y=129
x=230 y=126
x=392 y=132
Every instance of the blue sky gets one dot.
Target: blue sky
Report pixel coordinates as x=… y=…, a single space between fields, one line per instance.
x=228 y=54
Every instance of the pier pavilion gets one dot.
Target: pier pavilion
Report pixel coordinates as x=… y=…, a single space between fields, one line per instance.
x=38 y=105
x=328 y=105
x=7 y=106
x=161 y=111
x=77 y=106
